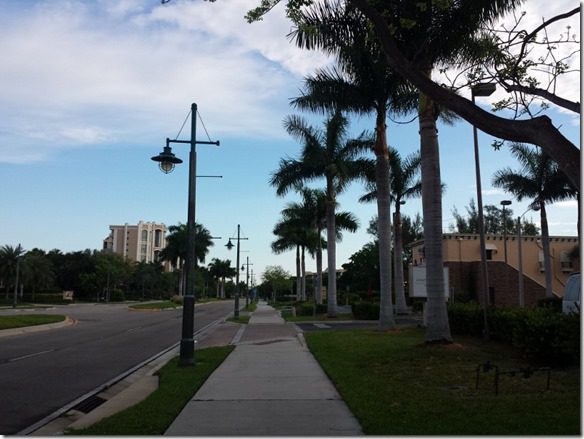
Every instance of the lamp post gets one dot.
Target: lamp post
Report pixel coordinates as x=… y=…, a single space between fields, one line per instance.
x=505 y=203
x=229 y=246
x=481 y=90
x=246 y=265
x=520 y=258
x=167 y=161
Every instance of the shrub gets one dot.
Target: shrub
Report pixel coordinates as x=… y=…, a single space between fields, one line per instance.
x=552 y=303
x=48 y=298
x=307 y=309
x=177 y=299
x=541 y=334
x=365 y=311
x=117 y=295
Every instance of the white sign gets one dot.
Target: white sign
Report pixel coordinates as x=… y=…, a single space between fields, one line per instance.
x=418 y=281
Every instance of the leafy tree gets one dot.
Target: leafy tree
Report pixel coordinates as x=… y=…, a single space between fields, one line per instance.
x=362 y=270
x=37 y=271
x=325 y=154
x=277 y=278
x=541 y=180
x=494 y=222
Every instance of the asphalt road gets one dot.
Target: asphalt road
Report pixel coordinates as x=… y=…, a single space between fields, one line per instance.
x=43 y=371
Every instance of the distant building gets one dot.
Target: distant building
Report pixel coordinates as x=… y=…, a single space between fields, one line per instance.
x=462 y=256
x=141 y=243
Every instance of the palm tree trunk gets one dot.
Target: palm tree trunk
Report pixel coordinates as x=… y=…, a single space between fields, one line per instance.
x=383 y=183
x=298 y=275
x=319 y=271
x=331 y=249
x=303 y=276
x=547 y=261
x=400 y=295
x=438 y=329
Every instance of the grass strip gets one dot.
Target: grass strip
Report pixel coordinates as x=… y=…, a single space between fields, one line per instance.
x=20 y=321
x=157 y=305
x=243 y=320
x=395 y=384
x=154 y=415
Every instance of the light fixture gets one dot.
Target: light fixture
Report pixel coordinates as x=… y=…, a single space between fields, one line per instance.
x=166 y=159
x=229 y=244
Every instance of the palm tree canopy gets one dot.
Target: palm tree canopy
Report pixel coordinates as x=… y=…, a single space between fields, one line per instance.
x=177 y=242
x=539 y=178
x=325 y=153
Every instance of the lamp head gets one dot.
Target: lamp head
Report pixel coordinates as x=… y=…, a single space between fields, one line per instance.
x=229 y=244
x=483 y=89
x=166 y=159
x=505 y=202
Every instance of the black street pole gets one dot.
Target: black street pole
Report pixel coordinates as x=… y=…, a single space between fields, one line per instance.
x=236 y=310
x=187 y=344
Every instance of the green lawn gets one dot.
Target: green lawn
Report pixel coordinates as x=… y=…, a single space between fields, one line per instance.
x=9 y=322
x=154 y=415
x=397 y=385
x=157 y=305
x=241 y=319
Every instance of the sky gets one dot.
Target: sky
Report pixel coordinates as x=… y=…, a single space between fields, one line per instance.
x=90 y=90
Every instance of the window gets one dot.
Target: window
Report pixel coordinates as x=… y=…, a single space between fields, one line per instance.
x=144 y=235
x=157 y=238
x=565 y=263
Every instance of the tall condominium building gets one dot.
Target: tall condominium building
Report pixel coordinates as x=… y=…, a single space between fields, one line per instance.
x=141 y=243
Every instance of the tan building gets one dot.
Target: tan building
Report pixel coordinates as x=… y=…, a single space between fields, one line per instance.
x=461 y=255
x=141 y=243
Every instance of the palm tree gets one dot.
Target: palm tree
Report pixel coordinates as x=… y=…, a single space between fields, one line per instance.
x=290 y=235
x=176 y=247
x=540 y=179
x=305 y=222
x=8 y=261
x=325 y=154
x=221 y=269
x=364 y=85
x=405 y=184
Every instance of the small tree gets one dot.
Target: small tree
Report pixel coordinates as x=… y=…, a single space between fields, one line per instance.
x=277 y=278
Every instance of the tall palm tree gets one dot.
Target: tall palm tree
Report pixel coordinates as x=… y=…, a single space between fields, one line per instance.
x=364 y=85
x=306 y=220
x=325 y=154
x=405 y=184
x=176 y=247
x=8 y=261
x=290 y=235
x=539 y=179
x=220 y=270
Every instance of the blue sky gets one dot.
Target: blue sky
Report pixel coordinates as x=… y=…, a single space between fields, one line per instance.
x=91 y=89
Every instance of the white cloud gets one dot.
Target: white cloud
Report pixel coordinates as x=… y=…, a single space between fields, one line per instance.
x=114 y=71
x=568 y=204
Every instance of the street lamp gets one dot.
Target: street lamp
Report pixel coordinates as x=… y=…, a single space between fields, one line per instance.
x=520 y=257
x=481 y=90
x=247 y=264
x=505 y=203
x=229 y=246
x=167 y=161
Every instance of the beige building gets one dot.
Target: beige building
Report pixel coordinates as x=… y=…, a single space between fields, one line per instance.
x=141 y=242
x=461 y=255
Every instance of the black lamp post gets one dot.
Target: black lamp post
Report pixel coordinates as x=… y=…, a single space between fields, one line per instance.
x=246 y=265
x=167 y=161
x=481 y=90
x=229 y=246
x=505 y=203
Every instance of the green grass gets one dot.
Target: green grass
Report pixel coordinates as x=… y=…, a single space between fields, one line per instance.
x=154 y=415
x=397 y=385
x=157 y=305
x=20 y=321
x=251 y=307
x=244 y=320
x=318 y=318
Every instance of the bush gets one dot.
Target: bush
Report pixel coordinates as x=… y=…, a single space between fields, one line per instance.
x=365 y=311
x=48 y=298
x=552 y=303
x=541 y=334
x=177 y=299
x=307 y=309
x=117 y=295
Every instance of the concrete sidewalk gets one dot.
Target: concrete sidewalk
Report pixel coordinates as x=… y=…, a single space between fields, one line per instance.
x=270 y=385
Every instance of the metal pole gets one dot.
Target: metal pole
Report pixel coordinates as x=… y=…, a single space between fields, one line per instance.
x=236 y=310
x=520 y=263
x=505 y=233
x=247 y=281
x=484 y=270
x=16 y=281
x=187 y=344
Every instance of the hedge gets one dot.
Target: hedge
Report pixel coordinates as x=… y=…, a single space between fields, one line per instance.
x=365 y=311
x=542 y=334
